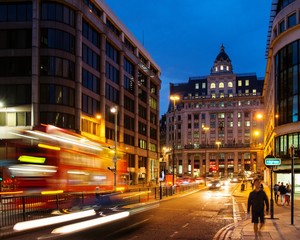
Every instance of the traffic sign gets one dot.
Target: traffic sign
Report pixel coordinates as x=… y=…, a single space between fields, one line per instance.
x=272 y=161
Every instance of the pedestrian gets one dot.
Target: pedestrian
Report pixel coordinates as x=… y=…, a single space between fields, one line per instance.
x=288 y=195
x=276 y=186
x=256 y=202
x=282 y=190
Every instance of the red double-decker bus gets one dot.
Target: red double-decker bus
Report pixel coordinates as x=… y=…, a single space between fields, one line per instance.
x=50 y=158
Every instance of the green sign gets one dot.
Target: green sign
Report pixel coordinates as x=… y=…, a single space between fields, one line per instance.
x=272 y=161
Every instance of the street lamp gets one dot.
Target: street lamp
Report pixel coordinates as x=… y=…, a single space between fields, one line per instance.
x=256 y=134
x=218 y=143
x=174 y=98
x=205 y=129
x=114 y=110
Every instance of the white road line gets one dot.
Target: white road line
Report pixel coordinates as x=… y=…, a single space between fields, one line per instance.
x=173 y=234
x=185 y=225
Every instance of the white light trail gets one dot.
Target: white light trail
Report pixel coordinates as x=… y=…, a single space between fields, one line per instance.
x=21 y=226
x=90 y=223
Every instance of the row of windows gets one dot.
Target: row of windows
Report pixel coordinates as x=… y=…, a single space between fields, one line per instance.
x=54 y=11
x=56 y=94
x=286 y=23
x=287 y=67
x=62 y=120
x=93 y=8
x=112 y=73
x=56 y=66
x=15 y=12
x=12 y=95
x=214 y=125
x=13 y=119
x=90 y=81
x=15 y=39
x=57 y=39
x=90 y=105
x=90 y=33
x=15 y=66
x=90 y=57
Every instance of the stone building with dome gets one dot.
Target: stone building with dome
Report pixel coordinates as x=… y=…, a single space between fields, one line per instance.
x=215 y=126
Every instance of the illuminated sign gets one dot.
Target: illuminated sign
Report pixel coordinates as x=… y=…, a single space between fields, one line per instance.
x=272 y=161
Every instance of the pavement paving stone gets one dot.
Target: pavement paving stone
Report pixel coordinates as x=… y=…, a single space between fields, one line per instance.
x=279 y=227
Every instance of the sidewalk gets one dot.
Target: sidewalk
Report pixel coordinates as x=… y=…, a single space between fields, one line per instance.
x=279 y=227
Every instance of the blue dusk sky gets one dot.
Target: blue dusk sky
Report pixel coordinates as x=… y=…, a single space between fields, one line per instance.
x=184 y=36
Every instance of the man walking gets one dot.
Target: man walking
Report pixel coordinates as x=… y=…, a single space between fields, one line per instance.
x=276 y=187
x=256 y=202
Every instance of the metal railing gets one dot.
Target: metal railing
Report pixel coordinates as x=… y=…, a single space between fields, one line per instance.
x=15 y=209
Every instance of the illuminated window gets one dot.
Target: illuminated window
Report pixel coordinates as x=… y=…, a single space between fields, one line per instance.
x=204 y=85
x=216 y=69
x=247 y=123
x=254 y=91
x=230 y=84
x=213 y=95
x=221 y=85
x=227 y=68
x=212 y=85
x=240 y=83
x=197 y=86
x=239 y=124
x=247 y=91
x=247 y=82
x=222 y=67
x=239 y=115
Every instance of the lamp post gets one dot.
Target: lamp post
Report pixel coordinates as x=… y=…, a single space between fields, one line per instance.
x=205 y=129
x=174 y=98
x=218 y=143
x=114 y=110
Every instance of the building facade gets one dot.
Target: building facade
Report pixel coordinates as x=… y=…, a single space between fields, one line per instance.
x=67 y=63
x=214 y=126
x=281 y=87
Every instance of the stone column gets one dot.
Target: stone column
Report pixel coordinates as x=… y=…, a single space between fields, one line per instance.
x=78 y=71
x=35 y=68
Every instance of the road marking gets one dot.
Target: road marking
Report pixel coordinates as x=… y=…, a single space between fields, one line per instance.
x=173 y=234
x=185 y=225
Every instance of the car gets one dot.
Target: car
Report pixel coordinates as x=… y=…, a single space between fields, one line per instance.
x=199 y=180
x=214 y=184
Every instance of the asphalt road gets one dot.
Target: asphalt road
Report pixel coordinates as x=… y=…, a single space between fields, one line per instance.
x=195 y=216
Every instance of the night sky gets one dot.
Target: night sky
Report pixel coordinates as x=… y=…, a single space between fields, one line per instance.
x=184 y=36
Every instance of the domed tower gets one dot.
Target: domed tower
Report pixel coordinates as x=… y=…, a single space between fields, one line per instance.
x=222 y=64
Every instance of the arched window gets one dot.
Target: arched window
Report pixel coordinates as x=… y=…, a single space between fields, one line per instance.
x=230 y=84
x=212 y=85
x=221 y=85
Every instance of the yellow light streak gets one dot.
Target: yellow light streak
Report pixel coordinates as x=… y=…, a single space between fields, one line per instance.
x=31 y=159
x=51 y=192
x=41 y=145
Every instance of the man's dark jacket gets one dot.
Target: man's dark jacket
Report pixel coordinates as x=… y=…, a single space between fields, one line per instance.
x=257 y=199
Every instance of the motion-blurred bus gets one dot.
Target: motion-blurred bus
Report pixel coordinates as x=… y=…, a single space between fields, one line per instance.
x=50 y=158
